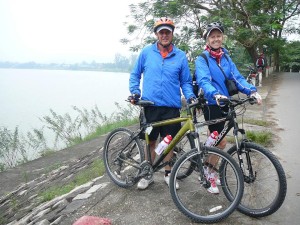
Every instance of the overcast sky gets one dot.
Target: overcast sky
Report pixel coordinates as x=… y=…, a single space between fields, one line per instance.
x=62 y=30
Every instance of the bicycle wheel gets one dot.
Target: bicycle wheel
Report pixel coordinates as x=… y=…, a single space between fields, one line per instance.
x=184 y=145
x=193 y=198
x=265 y=189
x=122 y=156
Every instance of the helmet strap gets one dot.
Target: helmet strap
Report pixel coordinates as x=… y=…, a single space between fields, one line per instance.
x=214 y=49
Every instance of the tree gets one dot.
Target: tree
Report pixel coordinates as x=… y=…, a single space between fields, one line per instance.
x=260 y=22
x=121 y=62
x=251 y=23
x=290 y=59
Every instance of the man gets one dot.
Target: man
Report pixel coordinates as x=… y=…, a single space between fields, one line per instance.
x=260 y=65
x=165 y=72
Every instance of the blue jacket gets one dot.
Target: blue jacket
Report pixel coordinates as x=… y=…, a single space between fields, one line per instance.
x=162 y=77
x=212 y=81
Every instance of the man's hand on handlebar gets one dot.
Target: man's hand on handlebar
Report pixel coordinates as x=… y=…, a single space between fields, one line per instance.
x=134 y=98
x=257 y=97
x=219 y=99
x=192 y=100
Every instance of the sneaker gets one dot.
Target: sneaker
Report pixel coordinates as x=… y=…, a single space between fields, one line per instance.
x=213 y=187
x=215 y=175
x=210 y=174
x=167 y=180
x=143 y=183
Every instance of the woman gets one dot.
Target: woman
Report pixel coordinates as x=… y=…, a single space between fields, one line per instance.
x=211 y=68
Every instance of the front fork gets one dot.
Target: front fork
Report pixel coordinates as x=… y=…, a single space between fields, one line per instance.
x=241 y=149
x=199 y=162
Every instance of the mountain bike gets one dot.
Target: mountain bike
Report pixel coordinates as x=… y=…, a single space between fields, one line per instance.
x=265 y=181
x=125 y=164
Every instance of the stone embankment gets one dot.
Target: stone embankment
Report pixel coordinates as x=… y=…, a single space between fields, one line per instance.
x=23 y=205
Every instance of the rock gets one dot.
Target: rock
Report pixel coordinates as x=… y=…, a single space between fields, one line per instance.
x=92 y=220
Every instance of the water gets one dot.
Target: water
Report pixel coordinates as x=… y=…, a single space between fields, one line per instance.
x=27 y=95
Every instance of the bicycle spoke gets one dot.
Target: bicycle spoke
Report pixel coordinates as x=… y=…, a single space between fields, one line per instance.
x=193 y=198
x=264 y=194
x=122 y=157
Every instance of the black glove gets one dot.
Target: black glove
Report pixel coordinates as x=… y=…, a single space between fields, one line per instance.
x=133 y=98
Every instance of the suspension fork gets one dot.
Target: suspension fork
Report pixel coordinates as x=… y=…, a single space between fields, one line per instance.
x=198 y=161
x=241 y=149
x=251 y=174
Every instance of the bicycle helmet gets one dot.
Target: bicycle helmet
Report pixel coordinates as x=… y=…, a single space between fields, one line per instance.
x=163 y=23
x=213 y=26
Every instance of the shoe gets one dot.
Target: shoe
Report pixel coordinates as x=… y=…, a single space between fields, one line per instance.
x=143 y=183
x=213 y=174
x=213 y=187
x=167 y=180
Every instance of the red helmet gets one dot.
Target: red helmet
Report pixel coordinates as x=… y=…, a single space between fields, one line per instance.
x=164 y=23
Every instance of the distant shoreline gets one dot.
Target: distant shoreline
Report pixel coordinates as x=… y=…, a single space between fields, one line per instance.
x=120 y=66
x=79 y=69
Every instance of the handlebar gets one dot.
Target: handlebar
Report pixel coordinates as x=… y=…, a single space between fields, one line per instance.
x=201 y=102
x=141 y=102
x=235 y=102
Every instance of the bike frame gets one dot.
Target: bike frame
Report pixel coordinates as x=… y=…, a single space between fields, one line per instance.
x=231 y=123
x=188 y=125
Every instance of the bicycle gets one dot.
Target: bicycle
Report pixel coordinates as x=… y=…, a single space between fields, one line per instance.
x=265 y=181
x=253 y=76
x=125 y=163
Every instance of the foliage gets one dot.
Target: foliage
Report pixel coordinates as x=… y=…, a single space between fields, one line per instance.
x=73 y=131
x=263 y=123
x=290 y=59
x=261 y=137
x=250 y=23
x=68 y=131
x=12 y=148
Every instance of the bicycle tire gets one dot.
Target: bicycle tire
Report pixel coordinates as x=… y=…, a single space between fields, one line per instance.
x=270 y=185
x=114 y=154
x=186 y=144
x=193 y=199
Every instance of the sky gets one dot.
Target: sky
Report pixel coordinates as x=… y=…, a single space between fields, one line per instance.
x=62 y=31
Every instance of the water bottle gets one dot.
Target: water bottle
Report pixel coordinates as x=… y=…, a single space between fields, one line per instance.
x=163 y=144
x=212 y=138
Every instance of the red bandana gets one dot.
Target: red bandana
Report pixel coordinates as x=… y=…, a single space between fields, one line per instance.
x=217 y=54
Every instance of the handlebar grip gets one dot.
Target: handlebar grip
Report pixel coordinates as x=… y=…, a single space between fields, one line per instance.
x=224 y=101
x=252 y=100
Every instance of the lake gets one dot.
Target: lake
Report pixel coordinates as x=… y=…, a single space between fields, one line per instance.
x=27 y=95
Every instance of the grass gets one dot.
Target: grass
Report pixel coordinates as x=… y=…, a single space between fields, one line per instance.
x=105 y=129
x=3 y=220
x=52 y=167
x=262 y=123
x=96 y=169
x=47 y=152
x=263 y=138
